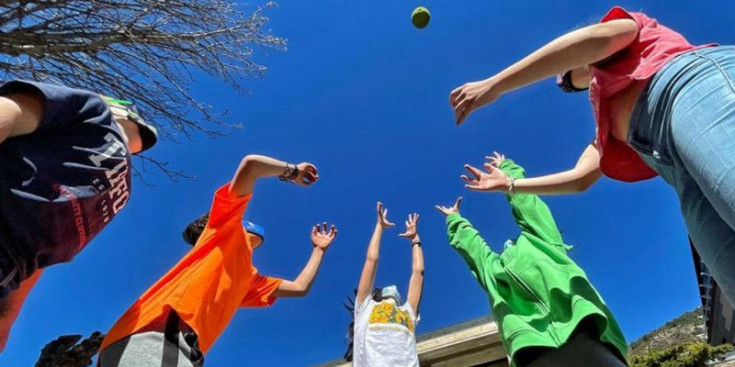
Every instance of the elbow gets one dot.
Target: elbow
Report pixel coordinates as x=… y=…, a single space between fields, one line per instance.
x=302 y=293
x=249 y=163
x=371 y=260
x=613 y=36
x=586 y=181
x=250 y=166
x=417 y=270
x=302 y=289
x=582 y=178
x=622 y=32
x=581 y=186
x=11 y=114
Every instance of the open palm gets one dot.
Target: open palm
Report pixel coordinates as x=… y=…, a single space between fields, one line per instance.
x=492 y=179
x=450 y=210
x=383 y=217
x=321 y=237
x=411 y=228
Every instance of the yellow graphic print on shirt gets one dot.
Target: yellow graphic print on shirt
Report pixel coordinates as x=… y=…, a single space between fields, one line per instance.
x=388 y=313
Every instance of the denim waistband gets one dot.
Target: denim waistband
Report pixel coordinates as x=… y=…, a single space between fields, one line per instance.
x=650 y=122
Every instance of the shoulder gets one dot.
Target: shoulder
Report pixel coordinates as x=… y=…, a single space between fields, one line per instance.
x=226 y=207
x=365 y=306
x=618 y=13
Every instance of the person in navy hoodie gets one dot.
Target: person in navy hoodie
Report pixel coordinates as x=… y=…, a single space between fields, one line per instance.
x=64 y=174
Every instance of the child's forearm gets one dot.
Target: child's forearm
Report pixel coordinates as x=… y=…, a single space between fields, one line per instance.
x=417 y=265
x=567 y=182
x=253 y=167
x=261 y=166
x=305 y=280
x=373 y=251
x=578 y=179
x=302 y=284
x=367 y=277
x=416 y=283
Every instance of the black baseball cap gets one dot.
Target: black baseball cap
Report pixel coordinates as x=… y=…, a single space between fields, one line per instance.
x=148 y=132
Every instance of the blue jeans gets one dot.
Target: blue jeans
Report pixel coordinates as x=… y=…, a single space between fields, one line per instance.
x=683 y=127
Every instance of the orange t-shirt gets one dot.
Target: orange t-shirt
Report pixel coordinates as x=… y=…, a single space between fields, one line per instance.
x=209 y=284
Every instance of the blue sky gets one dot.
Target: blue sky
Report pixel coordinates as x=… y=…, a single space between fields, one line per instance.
x=363 y=95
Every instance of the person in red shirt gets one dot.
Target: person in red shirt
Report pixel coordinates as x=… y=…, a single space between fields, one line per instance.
x=176 y=321
x=662 y=107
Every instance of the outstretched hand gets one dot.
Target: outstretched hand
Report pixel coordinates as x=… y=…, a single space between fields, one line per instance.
x=411 y=228
x=454 y=209
x=308 y=174
x=383 y=217
x=471 y=96
x=492 y=179
x=496 y=159
x=321 y=237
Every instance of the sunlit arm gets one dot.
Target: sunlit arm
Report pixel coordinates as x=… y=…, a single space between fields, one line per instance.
x=367 y=278
x=578 y=179
x=302 y=284
x=251 y=168
x=575 y=49
x=416 y=284
x=20 y=114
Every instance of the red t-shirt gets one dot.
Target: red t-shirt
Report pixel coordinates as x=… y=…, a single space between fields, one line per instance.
x=209 y=284
x=654 y=46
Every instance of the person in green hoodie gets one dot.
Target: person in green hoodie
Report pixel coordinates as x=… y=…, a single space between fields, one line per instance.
x=547 y=310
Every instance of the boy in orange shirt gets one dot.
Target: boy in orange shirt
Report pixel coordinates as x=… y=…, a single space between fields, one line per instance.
x=178 y=319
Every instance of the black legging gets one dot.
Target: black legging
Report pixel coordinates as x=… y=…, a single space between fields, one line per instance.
x=582 y=349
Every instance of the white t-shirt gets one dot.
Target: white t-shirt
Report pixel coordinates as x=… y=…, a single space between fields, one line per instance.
x=384 y=335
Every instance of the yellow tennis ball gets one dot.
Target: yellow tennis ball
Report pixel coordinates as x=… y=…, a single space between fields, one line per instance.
x=420 y=17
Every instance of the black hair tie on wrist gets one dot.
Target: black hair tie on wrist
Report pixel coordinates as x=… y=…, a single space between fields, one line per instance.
x=294 y=173
x=289 y=174
x=416 y=243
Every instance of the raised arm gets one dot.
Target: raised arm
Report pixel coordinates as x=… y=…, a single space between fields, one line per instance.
x=367 y=278
x=468 y=242
x=20 y=114
x=253 y=167
x=578 y=179
x=529 y=211
x=416 y=284
x=572 y=50
x=321 y=238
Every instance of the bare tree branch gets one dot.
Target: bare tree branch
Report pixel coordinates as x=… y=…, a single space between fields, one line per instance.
x=173 y=175
x=145 y=50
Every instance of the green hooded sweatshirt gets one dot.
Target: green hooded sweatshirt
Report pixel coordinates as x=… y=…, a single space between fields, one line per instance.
x=538 y=294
